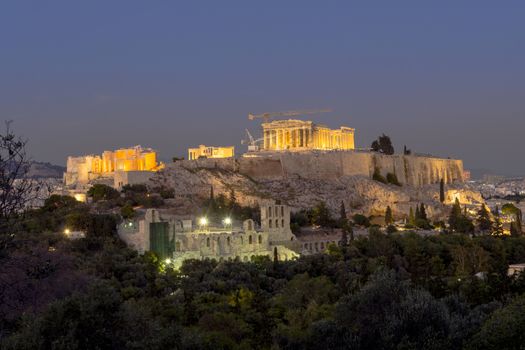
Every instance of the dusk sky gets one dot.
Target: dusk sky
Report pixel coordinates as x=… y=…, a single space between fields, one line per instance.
x=80 y=77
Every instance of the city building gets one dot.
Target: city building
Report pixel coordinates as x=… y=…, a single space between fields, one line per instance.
x=305 y=135
x=210 y=152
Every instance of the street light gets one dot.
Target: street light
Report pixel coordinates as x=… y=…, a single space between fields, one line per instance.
x=203 y=221
x=67 y=231
x=227 y=221
x=167 y=261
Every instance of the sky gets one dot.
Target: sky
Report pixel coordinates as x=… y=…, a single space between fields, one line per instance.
x=444 y=77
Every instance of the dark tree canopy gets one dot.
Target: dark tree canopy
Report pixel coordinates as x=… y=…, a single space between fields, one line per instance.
x=383 y=145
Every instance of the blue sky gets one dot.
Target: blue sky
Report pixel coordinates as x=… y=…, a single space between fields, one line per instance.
x=83 y=76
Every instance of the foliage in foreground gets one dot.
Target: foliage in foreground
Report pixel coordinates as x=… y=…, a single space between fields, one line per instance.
x=385 y=291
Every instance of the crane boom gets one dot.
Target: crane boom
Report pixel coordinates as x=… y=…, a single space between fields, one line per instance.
x=268 y=115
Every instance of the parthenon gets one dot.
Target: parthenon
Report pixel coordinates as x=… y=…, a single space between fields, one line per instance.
x=302 y=135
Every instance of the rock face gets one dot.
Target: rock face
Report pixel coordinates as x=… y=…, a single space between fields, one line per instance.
x=359 y=193
x=410 y=170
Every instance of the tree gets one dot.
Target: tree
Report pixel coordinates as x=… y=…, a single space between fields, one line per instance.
x=406 y=151
x=455 y=216
x=504 y=329
x=361 y=220
x=102 y=192
x=423 y=212
x=510 y=209
x=321 y=215
x=497 y=227
x=127 y=212
x=483 y=219
x=383 y=145
x=16 y=188
x=391 y=178
x=342 y=213
x=378 y=177
x=233 y=199
x=389 y=218
x=458 y=221
x=411 y=218
x=442 y=190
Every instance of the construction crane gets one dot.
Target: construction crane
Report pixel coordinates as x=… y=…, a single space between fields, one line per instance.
x=252 y=143
x=269 y=115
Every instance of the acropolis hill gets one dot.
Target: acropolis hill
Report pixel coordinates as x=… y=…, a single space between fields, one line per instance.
x=297 y=162
x=313 y=151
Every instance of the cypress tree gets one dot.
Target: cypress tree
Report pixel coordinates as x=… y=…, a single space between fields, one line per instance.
x=275 y=256
x=423 y=212
x=344 y=238
x=418 y=213
x=455 y=216
x=442 y=190
x=411 y=218
x=342 y=212
x=232 y=199
x=389 y=218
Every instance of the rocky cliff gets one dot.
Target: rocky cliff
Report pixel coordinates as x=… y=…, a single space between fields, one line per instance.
x=359 y=193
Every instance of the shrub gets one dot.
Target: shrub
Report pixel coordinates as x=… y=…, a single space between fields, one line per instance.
x=378 y=177
x=391 y=229
x=391 y=178
x=102 y=192
x=361 y=220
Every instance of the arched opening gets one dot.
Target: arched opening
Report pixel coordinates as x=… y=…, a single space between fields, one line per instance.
x=260 y=239
x=208 y=242
x=228 y=240
x=282 y=223
x=250 y=239
x=270 y=223
x=276 y=223
x=282 y=211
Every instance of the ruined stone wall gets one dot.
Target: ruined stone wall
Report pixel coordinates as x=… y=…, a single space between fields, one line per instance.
x=331 y=165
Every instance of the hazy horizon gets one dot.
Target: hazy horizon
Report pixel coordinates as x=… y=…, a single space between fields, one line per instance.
x=449 y=80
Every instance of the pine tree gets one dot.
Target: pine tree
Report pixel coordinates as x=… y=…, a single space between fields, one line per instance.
x=389 y=218
x=442 y=190
x=483 y=219
x=497 y=227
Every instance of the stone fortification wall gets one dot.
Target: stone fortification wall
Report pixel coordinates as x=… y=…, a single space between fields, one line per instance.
x=331 y=165
x=210 y=163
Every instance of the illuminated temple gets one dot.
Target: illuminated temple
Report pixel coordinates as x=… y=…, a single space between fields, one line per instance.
x=83 y=169
x=305 y=135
